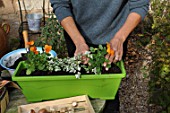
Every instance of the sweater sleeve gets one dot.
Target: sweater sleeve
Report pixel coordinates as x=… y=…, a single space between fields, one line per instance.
x=139 y=6
x=61 y=8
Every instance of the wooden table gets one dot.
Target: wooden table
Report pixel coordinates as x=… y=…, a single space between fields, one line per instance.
x=17 y=98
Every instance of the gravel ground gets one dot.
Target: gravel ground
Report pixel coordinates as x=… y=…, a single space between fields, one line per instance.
x=133 y=90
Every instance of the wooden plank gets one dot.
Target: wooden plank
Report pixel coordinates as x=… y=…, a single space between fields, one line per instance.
x=4 y=102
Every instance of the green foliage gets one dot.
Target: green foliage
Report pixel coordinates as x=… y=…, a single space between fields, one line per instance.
x=36 y=61
x=52 y=34
x=96 y=59
x=161 y=16
x=43 y=61
x=160 y=74
x=159 y=85
x=74 y=65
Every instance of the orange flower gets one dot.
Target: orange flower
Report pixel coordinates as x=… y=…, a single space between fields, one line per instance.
x=33 y=49
x=47 y=48
x=108 y=47
x=36 y=52
x=109 y=50
x=112 y=52
x=30 y=43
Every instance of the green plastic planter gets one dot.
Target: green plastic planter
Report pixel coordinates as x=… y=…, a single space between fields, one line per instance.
x=38 y=88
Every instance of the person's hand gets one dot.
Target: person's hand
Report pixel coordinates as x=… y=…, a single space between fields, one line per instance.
x=116 y=44
x=80 y=50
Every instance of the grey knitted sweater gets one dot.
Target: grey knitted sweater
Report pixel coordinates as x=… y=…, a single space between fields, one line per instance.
x=98 y=20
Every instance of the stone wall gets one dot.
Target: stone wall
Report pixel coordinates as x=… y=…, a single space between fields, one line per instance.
x=10 y=13
x=12 y=6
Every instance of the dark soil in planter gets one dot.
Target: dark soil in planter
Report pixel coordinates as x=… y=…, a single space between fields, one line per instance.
x=113 y=70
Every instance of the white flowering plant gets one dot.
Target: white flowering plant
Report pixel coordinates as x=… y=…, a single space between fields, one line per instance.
x=41 y=62
x=74 y=65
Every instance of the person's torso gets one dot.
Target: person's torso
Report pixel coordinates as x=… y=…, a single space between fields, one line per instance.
x=99 y=20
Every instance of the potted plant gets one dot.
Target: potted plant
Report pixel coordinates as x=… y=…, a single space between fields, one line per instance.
x=89 y=79
x=52 y=34
x=10 y=60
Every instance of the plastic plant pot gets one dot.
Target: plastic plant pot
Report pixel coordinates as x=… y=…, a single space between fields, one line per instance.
x=48 y=87
x=8 y=59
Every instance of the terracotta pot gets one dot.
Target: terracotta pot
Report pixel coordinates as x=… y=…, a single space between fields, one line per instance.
x=4 y=30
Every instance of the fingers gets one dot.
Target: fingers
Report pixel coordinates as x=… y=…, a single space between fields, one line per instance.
x=116 y=58
x=111 y=59
x=79 y=52
x=106 y=57
x=118 y=55
x=81 y=49
x=118 y=50
x=85 y=59
x=121 y=54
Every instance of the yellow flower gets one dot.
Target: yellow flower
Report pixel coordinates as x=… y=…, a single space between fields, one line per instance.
x=47 y=48
x=109 y=50
x=30 y=43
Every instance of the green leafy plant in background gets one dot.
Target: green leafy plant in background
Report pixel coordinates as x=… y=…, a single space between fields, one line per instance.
x=159 y=69
x=52 y=34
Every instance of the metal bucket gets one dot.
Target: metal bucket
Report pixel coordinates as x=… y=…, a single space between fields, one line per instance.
x=34 y=21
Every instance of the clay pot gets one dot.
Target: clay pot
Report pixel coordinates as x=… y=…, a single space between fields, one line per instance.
x=4 y=30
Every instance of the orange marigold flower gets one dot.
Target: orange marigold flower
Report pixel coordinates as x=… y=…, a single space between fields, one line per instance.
x=109 y=50
x=36 y=52
x=33 y=49
x=30 y=43
x=107 y=45
x=47 y=48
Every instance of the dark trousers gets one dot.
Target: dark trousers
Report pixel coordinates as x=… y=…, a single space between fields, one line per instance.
x=111 y=106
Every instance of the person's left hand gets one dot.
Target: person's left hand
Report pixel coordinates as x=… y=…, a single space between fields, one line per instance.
x=117 y=45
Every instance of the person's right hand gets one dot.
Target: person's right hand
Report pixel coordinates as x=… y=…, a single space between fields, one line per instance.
x=80 y=50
